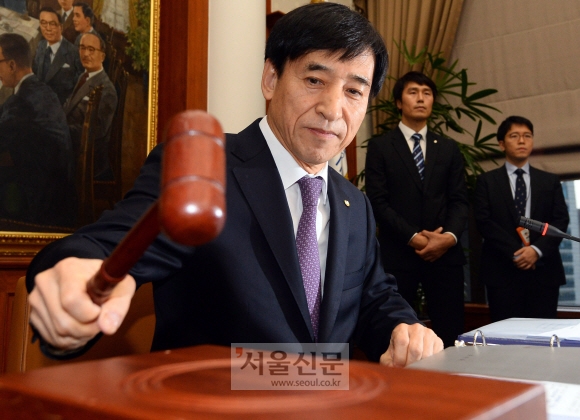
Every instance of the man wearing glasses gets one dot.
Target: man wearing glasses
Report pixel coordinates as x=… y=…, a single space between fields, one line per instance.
x=56 y=62
x=522 y=270
x=92 y=55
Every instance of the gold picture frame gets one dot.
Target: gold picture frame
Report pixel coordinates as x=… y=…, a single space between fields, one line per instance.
x=27 y=244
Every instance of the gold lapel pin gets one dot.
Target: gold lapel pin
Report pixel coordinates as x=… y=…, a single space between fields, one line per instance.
x=346 y=203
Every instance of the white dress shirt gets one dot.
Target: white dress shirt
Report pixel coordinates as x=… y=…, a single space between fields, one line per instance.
x=291 y=172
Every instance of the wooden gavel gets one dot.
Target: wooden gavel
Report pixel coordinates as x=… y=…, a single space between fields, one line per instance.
x=191 y=206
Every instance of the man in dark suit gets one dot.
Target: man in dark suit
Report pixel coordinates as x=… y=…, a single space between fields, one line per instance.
x=68 y=28
x=522 y=270
x=247 y=285
x=419 y=198
x=92 y=57
x=57 y=61
x=33 y=131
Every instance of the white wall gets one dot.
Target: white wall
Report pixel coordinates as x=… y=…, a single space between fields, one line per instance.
x=237 y=34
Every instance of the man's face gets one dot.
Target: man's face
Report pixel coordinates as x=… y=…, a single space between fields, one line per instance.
x=65 y=4
x=81 y=23
x=517 y=144
x=317 y=104
x=50 y=27
x=7 y=71
x=90 y=51
x=416 y=103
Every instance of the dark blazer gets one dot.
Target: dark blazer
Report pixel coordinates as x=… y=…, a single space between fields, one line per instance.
x=33 y=130
x=246 y=286
x=64 y=69
x=68 y=28
x=497 y=221
x=403 y=205
x=75 y=109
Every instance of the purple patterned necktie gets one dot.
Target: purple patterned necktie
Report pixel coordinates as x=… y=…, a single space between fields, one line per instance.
x=307 y=247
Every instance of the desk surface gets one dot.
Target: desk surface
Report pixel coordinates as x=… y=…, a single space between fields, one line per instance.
x=195 y=382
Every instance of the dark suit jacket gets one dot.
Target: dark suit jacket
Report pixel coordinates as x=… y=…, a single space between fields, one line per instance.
x=497 y=221
x=33 y=130
x=64 y=69
x=246 y=286
x=68 y=28
x=75 y=109
x=403 y=205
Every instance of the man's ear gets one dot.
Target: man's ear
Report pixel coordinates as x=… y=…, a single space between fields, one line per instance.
x=399 y=104
x=501 y=145
x=269 y=80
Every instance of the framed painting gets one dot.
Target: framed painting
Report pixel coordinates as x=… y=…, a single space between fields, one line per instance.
x=129 y=30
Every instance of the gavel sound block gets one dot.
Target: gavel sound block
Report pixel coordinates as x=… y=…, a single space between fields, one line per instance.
x=194 y=383
x=191 y=206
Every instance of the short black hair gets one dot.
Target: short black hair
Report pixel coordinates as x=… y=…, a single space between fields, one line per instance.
x=326 y=26
x=506 y=124
x=413 y=76
x=15 y=47
x=87 y=11
x=50 y=10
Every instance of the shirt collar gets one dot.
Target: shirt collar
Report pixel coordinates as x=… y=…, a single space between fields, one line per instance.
x=512 y=168
x=289 y=170
x=408 y=132
x=17 y=87
x=94 y=73
x=54 y=47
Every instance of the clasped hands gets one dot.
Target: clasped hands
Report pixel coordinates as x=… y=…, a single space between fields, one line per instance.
x=525 y=258
x=430 y=246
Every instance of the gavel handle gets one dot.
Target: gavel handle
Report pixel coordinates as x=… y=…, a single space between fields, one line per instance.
x=124 y=256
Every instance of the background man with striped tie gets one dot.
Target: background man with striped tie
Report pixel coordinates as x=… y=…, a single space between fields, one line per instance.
x=522 y=271
x=416 y=185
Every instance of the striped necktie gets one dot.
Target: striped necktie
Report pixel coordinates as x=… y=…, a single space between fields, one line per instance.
x=418 y=155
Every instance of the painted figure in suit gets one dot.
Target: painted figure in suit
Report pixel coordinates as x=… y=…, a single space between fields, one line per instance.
x=319 y=78
x=68 y=28
x=57 y=61
x=83 y=19
x=419 y=198
x=33 y=131
x=522 y=274
x=92 y=57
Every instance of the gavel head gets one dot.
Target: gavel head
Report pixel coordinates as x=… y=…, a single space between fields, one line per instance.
x=192 y=208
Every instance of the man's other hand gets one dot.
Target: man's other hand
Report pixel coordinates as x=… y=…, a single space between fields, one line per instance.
x=525 y=258
x=62 y=311
x=410 y=343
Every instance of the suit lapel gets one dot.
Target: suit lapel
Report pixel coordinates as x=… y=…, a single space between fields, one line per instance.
x=402 y=148
x=336 y=257
x=431 y=158
x=57 y=62
x=535 y=182
x=505 y=190
x=82 y=92
x=262 y=187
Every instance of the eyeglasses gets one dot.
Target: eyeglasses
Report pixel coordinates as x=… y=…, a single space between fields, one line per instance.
x=45 y=23
x=516 y=136
x=90 y=50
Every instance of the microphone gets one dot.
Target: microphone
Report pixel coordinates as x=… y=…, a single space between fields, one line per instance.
x=545 y=229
